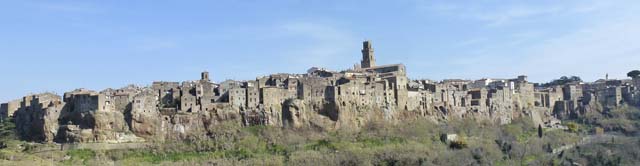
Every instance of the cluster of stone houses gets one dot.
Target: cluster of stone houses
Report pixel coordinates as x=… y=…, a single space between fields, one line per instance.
x=366 y=87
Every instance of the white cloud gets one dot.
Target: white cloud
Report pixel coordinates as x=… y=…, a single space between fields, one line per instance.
x=591 y=52
x=600 y=40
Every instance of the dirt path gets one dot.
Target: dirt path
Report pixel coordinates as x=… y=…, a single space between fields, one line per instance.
x=92 y=146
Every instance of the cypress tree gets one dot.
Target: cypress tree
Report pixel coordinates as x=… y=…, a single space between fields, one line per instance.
x=539 y=131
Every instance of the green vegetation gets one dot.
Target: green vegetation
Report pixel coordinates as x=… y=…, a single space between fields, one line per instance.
x=633 y=73
x=8 y=139
x=377 y=143
x=625 y=119
x=458 y=144
x=618 y=151
x=82 y=155
x=7 y=130
x=573 y=127
x=562 y=81
x=416 y=142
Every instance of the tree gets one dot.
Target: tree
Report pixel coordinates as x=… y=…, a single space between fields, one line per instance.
x=563 y=80
x=634 y=74
x=573 y=127
x=539 y=131
x=575 y=79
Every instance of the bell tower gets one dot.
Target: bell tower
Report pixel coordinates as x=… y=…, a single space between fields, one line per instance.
x=368 y=60
x=204 y=76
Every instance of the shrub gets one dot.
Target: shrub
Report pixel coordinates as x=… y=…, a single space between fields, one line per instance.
x=573 y=127
x=322 y=145
x=598 y=131
x=7 y=131
x=458 y=144
x=82 y=155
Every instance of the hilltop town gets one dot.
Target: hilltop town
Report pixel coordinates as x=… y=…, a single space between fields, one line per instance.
x=319 y=98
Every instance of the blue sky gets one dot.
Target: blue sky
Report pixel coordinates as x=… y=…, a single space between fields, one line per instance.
x=61 y=45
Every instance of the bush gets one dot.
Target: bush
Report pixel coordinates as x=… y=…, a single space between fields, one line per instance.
x=82 y=155
x=322 y=145
x=573 y=127
x=458 y=144
x=625 y=119
x=7 y=131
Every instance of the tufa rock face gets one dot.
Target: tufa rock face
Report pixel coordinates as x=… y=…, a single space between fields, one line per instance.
x=37 y=117
x=294 y=114
x=109 y=125
x=144 y=118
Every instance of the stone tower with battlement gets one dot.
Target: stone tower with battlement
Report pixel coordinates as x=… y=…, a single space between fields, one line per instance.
x=368 y=60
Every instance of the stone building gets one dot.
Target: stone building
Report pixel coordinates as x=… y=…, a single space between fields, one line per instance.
x=368 y=60
x=11 y=107
x=122 y=98
x=610 y=96
x=82 y=100
x=168 y=93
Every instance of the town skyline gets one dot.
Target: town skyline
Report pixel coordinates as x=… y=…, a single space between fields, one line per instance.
x=356 y=64
x=369 y=90
x=98 y=45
